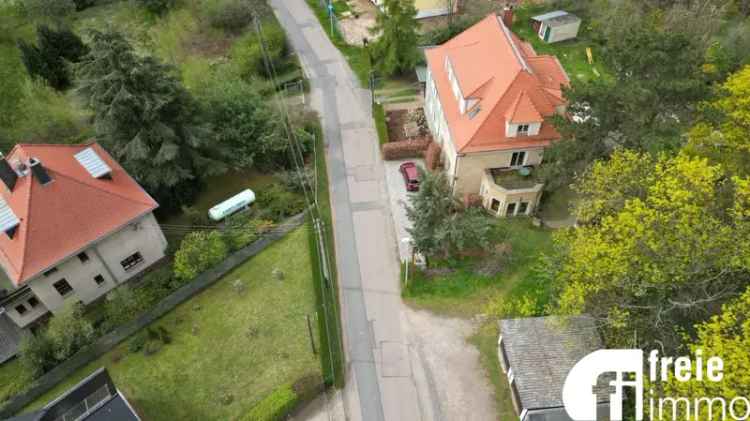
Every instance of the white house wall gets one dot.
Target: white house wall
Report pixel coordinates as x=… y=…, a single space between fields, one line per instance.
x=470 y=167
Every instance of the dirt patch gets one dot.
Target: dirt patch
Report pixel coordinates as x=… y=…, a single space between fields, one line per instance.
x=205 y=45
x=397 y=119
x=451 y=366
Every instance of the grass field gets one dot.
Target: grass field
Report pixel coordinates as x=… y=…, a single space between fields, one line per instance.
x=228 y=349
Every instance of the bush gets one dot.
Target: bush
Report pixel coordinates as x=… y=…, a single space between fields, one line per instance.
x=278 y=203
x=274 y=407
x=231 y=15
x=138 y=342
x=69 y=331
x=405 y=149
x=294 y=180
x=472 y=200
x=199 y=251
x=248 y=55
x=83 y=4
x=432 y=156
x=36 y=354
x=50 y=9
x=121 y=306
x=157 y=7
x=241 y=230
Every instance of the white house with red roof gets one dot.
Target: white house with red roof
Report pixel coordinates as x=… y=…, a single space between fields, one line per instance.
x=73 y=226
x=488 y=101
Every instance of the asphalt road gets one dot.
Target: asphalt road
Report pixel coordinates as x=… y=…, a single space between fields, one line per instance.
x=384 y=377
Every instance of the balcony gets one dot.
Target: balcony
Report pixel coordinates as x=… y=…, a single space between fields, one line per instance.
x=511 y=192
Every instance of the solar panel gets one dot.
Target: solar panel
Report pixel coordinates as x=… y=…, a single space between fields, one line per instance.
x=8 y=219
x=93 y=163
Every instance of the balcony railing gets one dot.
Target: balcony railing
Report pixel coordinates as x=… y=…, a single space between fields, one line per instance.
x=514 y=179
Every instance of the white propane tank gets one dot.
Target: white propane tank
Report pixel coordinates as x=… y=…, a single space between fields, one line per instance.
x=231 y=205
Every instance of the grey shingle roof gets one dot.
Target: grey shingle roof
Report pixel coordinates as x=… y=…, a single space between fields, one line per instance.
x=542 y=350
x=10 y=338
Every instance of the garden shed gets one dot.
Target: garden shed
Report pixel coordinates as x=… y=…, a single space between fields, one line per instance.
x=556 y=26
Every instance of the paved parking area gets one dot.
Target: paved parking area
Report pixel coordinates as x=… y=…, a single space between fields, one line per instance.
x=398 y=198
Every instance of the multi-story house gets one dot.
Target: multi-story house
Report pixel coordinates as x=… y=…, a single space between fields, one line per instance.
x=488 y=101
x=73 y=226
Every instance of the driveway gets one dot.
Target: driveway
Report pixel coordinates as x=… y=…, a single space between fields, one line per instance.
x=398 y=198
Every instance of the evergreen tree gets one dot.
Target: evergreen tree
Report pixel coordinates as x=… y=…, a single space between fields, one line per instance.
x=147 y=119
x=396 y=50
x=47 y=60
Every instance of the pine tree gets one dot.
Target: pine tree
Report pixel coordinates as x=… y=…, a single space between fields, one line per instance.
x=147 y=119
x=396 y=50
x=47 y=59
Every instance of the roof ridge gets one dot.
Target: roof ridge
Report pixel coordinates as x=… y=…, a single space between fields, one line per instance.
x=26 y=233
x=79 y=181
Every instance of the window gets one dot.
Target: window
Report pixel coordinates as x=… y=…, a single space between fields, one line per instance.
x=63 y=287
x=33 y=302
x=523 y=130
x=523 y=207
x=21 y=309
x=517 y=159
x=83 y=257
x=131 y=261
x=99 y=279
x=50 y=272
x=495 y=205
x=510 y=210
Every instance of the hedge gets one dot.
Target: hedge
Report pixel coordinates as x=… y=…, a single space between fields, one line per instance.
x=432 y=156
x=274 y=407
x=405 y=149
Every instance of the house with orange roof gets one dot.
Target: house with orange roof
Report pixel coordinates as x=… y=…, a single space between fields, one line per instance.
x=488 y=101
x=73 y=226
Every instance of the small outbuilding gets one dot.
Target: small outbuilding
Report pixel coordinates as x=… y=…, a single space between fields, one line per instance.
x=536 y=354
x=556 y=26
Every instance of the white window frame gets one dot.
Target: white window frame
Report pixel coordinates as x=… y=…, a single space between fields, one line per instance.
x=521 y=154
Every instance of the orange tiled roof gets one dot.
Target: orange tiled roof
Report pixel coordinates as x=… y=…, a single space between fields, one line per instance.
x=507 y=77
x=59 y=219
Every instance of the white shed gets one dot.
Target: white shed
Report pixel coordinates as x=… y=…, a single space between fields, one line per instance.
x=556 y=26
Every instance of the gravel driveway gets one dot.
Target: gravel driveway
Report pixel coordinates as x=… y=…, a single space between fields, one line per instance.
x=399 y=197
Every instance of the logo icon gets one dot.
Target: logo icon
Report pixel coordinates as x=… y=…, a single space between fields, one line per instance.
x=579 y=397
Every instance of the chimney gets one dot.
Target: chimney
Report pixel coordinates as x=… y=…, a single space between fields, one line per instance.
x=508 y=15
x=39 y=172
x=7 y=174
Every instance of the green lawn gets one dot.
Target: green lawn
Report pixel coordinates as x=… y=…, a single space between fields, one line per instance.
x=571 y=53
x=485 y=340
x=463 y=292
x=379 y=115
x=228 y=349
x=13 y=379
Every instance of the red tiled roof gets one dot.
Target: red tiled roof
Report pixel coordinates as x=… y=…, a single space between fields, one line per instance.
x=64 y=216
x=511 y=82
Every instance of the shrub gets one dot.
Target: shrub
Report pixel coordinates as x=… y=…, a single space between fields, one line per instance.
x=241 y=230
x=138 y=342
x=432 y=156
x=274 y=407
x=157 y=7
x=248 y=55
x=472 y=200
x=69 y=331
x=121 y=307
x=278 y=203
x=50 y=9
x=47 y=59
x=405 y=149
x=294 y=180
x=37 y=354
x=199 y=250
x=83 y=4
x=231 y=15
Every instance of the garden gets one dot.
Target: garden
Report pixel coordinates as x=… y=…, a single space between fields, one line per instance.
x=214 y=133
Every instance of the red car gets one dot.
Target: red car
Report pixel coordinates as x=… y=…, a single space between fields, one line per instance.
x=411 y=176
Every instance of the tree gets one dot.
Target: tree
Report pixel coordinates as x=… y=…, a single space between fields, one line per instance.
x=656 y=81
x=11 y=86
x=147 y=120
x=69 y=331
x=396 y=50
x=651 y=261
x=48 y=60
x=246 y=123
x=36 y=354
x=198 y=252
x=723 y=135
x=726 y=335
x=440 y=228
